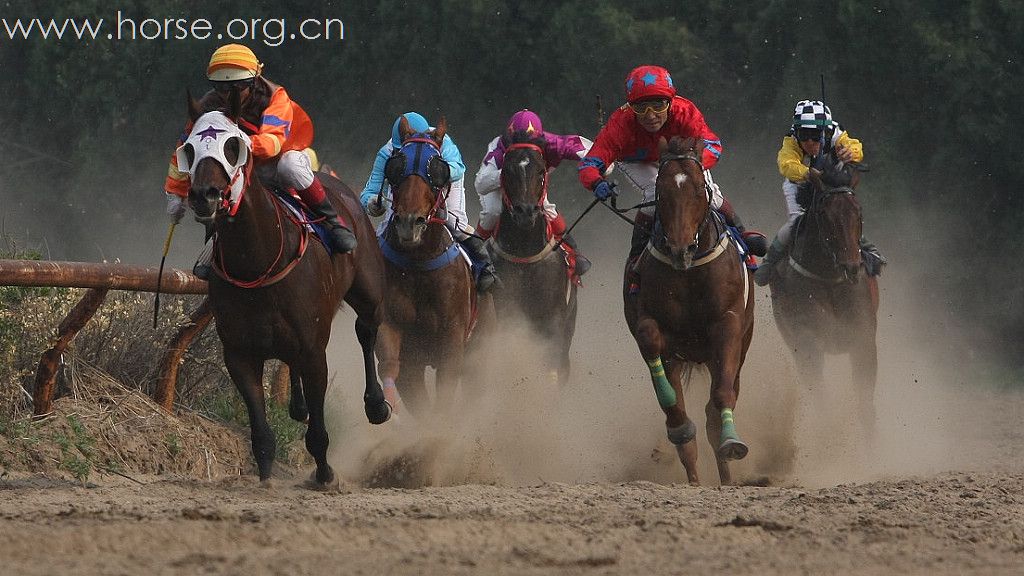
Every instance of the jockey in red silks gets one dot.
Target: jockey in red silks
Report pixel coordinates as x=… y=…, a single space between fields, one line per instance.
x=281 y=134
x=630 y=139
x=488 y=178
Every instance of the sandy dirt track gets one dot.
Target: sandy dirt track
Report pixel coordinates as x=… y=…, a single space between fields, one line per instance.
x=947 y=524
x=579 y=480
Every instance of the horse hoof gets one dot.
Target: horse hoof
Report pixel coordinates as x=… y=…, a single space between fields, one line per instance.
x=732 y=449
x=314 y=484
x=380 y=414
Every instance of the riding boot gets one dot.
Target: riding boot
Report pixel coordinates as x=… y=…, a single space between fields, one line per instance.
x=756 y=242
x=487 y=277
x=342 y=239
x=582 y=262
x=637 y=244
x=763 y=274
x=873 y=259
x=340 y=236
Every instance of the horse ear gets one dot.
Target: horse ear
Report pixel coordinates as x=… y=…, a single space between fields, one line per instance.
x=814 y=177
x=442 y=127
x=404 y=130
x=193 y=107
x=662 y=146
x=235 y=105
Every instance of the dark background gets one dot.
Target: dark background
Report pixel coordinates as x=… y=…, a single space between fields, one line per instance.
x=932 y=88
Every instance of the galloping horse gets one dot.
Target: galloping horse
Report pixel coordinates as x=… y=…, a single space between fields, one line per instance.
x=275 y=291
x=823 y=300
x=429 y=310
x=695 y=304
x=537 y=280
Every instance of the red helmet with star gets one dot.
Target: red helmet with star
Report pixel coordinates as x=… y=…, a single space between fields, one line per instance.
x=646 y=82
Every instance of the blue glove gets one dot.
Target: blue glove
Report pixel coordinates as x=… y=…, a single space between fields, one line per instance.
x=604 y=190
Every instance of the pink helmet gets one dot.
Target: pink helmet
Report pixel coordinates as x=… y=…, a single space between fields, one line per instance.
x=649 y=82
x=525 y=121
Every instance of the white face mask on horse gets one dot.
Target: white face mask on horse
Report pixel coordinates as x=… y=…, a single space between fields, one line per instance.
x=209 y=138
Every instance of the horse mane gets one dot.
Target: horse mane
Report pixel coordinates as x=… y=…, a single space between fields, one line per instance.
x=679 y=145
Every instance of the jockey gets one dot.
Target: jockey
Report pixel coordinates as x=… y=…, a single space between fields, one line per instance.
x=812 y=119
x=488 y=177
x=281 y=134
x=376 y=196
x=653 y=111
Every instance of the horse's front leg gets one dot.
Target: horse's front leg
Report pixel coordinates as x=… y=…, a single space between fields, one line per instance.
x=314 y=384
x=727 y=342
x=864 y=361
x=247 y=374
x=389 y=348
x=449 y=371
x=378 y=410
x=668 y=390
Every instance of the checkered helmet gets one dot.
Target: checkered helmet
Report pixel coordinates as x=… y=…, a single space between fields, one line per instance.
x=812 y=114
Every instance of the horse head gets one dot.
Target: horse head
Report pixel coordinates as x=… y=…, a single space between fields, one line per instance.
x=836 y=213
x=524 y=182
x=417 y=174
x=683 y=201
x=217 y=156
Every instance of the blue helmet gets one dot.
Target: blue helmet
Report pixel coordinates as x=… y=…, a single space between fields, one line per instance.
x=417 y=122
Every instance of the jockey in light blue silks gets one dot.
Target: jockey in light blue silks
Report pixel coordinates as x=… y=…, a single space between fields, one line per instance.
x=376 y=196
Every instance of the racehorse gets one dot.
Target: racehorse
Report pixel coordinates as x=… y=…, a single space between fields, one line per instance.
x=275 y=290
x=537 y=279
x=822 y=297
x=695 y=304
x=429 y=312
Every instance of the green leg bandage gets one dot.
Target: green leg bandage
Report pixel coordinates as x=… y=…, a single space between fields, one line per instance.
x=728 y=425
x=664 y=391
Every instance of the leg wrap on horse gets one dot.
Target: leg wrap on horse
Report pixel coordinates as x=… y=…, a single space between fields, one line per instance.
x=683 y=433
x=662 y=389
x=728 y=425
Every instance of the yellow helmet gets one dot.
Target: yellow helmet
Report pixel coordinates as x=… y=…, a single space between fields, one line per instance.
x=233 y=62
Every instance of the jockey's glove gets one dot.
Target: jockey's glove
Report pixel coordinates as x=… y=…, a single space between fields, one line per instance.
x=176 y=208
x=375 y=207
x=604 y=190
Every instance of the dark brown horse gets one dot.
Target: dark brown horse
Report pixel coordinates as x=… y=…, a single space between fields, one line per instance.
x=537 y=283
x=430 y=290
x=823 y=300
x=276 y=290
x=695 y=304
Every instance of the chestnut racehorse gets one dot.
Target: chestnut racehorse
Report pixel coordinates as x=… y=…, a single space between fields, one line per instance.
x=276 y=290
x=695 y=304
x=430 y=289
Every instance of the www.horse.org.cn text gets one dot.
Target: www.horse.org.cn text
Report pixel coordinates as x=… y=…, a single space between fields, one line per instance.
x=268 y=31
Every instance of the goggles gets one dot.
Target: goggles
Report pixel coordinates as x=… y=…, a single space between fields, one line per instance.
x=808 y=134
x=643 y=107
x=225 y=86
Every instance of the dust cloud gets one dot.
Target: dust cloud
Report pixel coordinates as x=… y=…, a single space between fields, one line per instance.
x=605 y=424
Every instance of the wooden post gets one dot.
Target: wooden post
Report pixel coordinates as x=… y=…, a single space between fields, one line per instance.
x=46 y=373
x=167 y=384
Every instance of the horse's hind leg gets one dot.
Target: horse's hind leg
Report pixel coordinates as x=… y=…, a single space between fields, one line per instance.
x=247 y=374
x=297 y=409
x=377 y=409
x=314 y=382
